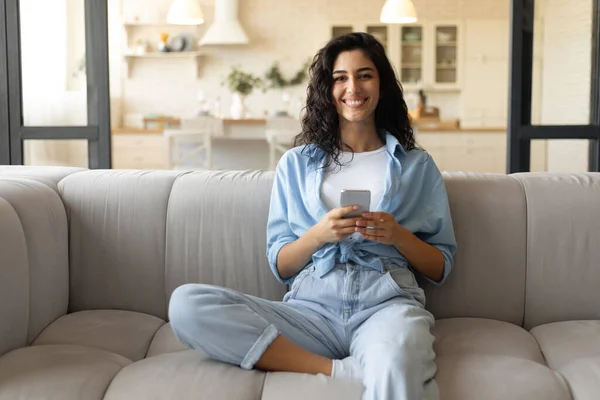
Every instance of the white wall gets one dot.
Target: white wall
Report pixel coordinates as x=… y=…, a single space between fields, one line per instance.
x=484 y=99
x=288 y=31
x=565 y=42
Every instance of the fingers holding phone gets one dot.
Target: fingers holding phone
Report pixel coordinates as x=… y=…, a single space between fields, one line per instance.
x=336 y=225
x=339 y=223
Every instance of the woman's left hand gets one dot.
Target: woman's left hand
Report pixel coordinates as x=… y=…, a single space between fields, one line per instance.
x=383 y=228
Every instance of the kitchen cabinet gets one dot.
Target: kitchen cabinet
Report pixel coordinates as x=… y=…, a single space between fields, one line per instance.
x=430 y=54
x=472 y=152
x=379 y=30
x=427 y=53
x=139 y=151
x=475 y=151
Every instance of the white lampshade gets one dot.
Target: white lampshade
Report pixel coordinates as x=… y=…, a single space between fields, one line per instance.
x=185 y=12
x=398 y=12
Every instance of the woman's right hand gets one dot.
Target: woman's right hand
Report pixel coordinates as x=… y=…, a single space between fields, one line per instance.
x=333 y=227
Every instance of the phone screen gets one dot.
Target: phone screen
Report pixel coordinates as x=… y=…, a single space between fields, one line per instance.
x=362 y=198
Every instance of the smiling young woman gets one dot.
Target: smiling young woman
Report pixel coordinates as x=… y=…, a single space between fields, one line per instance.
x=354 y=310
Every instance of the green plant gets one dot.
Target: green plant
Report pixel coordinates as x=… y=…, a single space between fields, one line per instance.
x=277 y=81
x=242 y=82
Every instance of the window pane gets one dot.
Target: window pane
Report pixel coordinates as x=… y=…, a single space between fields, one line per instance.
x=53 y=62
x=70 y=153
x=562 y=62
x=568 y=155
x=559 y=155
x=539 y=155
x=561 y=79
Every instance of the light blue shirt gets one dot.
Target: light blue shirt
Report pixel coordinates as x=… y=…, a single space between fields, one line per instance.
x=414 y=193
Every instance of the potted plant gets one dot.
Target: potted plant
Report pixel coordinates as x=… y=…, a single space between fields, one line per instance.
x=241 y=84
x=275 y=80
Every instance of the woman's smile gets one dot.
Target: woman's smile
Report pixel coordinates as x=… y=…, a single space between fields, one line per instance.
x=355 y=102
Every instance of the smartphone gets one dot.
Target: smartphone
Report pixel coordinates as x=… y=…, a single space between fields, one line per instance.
x=361 y=198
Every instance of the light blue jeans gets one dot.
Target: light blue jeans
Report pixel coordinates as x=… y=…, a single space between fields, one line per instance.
x=378 y=317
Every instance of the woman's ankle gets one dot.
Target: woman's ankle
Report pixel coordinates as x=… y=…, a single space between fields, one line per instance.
x=285 y=356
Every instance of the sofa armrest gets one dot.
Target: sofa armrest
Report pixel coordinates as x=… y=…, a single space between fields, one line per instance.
x=34 y=270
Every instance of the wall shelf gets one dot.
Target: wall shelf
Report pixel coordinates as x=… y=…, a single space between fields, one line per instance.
x=154 y=23
x=131 y=58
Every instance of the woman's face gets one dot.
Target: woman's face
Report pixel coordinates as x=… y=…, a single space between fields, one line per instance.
x=355 y=86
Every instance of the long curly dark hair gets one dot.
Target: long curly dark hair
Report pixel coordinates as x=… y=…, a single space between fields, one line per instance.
x=320 y=123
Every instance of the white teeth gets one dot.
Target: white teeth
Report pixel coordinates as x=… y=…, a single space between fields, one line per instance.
x=354 y=102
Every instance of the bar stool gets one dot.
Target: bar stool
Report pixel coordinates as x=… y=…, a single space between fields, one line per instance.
x=280 y=133
x=194 y=138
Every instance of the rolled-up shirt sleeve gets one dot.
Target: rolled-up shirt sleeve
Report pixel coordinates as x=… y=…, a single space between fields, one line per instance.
x=438 y=230
x=279 y=232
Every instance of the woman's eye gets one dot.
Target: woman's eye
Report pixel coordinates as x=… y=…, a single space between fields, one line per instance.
x=365 y=76
x=339 y=78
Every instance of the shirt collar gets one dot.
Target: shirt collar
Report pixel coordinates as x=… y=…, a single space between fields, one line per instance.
x=392 y=144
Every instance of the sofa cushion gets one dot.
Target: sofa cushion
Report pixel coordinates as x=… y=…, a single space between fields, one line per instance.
x=63 y=372
x=496 y=377
x=486 y=359
x=573 y=349
x=185 y=375
x=488 y=279
x=126 y=333
x=562 y=247
x=484 y=336
x=305 y=386
x=165 y=342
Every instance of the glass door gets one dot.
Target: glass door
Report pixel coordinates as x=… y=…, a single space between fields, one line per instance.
x=57 y=90
x=446 y=40
x=411 y=50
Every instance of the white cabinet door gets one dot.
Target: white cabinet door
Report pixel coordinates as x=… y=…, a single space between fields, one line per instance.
x=447 y=55
x=466 y=152
x=139 y=151
x=428 y=51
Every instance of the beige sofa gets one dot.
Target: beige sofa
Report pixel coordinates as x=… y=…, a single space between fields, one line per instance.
x=88 y=260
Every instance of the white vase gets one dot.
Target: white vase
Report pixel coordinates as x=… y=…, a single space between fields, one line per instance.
x=285 y=103
x=238 y=108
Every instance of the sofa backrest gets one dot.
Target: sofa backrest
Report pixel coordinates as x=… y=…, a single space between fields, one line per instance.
x=50 y=176
x=137 y=235
x=563 y=252
x=488 y=280
x=34 y=267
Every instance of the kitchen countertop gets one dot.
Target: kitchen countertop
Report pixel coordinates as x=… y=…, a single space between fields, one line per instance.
x=429 y=125
x=427 y=129
x=134 y=130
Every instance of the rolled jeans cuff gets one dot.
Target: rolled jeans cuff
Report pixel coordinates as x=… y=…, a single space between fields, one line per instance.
x=259 y=347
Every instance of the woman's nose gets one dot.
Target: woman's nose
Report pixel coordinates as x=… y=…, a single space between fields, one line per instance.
x=353 y=86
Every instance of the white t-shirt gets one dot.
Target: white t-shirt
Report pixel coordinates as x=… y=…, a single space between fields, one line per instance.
x=359 y=171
